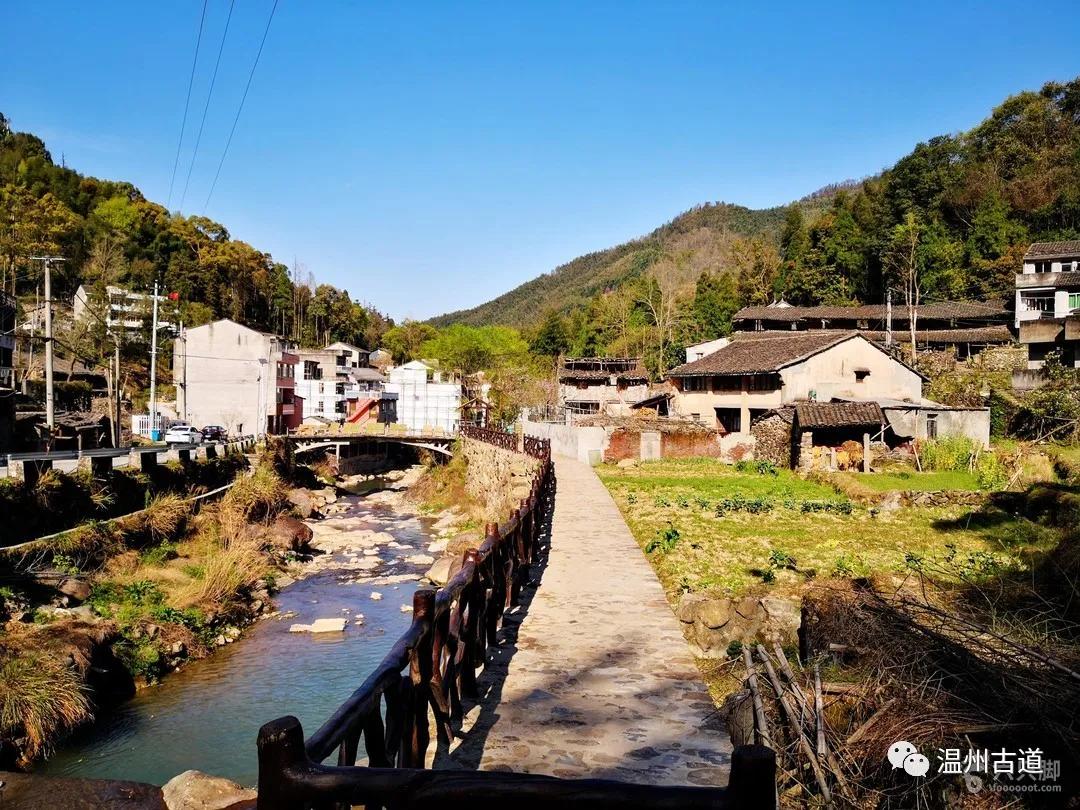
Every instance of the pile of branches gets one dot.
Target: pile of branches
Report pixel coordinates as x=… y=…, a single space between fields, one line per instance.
x=909 y=669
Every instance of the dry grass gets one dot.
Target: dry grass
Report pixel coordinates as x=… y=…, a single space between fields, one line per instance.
x=165 y=517
x=226 y=569
x=41 y=697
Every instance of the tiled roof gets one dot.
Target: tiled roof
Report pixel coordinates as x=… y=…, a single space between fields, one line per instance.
x=763 y=353
x=999 y=333
x=624 y=368
x=941 y=310
x=838 y=414
x=1053 y=250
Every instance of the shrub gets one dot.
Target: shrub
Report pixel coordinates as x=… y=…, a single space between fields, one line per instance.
x=665 y=540
x=948 y=453
x=739 y=503
x=40 y=697
x=759 y=467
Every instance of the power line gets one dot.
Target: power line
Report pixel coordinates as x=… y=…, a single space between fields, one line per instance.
x=187 y=102
x=239 y=109
x=206 y=107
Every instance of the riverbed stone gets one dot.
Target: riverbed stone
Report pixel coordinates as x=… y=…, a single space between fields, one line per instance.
x=420 y=559
x=76 y=589
x=195 y=790
x=443 y=569
x=302 y=502
x=335 y=625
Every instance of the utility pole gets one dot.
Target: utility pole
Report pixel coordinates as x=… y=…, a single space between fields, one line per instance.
x=888 y=317
x=153 y=369
x=50 y=407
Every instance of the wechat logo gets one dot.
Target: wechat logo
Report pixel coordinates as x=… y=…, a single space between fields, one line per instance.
x=904 y=755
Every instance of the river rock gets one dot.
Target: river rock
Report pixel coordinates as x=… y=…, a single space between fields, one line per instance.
x=336 y=625
x=375 y=595
x=443 y=569
x=290 y=534
x=302 y=502
x=76 y=589
x=438 y=547
x=195 y=790
x=420 y=559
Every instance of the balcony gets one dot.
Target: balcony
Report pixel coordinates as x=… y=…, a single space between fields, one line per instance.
x=1027 y=281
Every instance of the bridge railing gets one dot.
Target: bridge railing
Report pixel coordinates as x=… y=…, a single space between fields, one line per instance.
x=426 y=680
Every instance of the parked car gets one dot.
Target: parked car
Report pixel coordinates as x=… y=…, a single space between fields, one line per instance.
x=215 y=433
x=183 y=434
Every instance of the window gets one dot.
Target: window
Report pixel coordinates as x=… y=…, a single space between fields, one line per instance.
x=312 y=370
x=729 y=419
x=696 y=417
x=761 y=382
x=1042 y=267
x=693 y=384
x=1074 y=302
x=1067 y=265
x=931 y=425
x=861 y=374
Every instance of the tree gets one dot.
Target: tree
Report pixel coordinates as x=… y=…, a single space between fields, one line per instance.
x=404 y=341
x=551 y=340
x=714 y=305
x=903 y=262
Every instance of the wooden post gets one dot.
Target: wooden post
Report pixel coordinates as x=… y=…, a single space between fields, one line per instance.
x=752 y=784
x=281 y=752
x=866 y=452
x=417 y=734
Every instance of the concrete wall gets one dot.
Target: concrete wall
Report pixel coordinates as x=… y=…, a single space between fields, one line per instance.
x=974 y=423
x=574 y=441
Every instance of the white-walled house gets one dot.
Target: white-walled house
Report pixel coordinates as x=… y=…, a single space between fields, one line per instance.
x=700 y=350
x=230 y=375
x=758 y=371
x=424 y=400
x=1048 y=302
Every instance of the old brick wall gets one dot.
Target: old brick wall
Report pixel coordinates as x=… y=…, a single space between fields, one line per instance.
x=686 y=445
x=497 y=478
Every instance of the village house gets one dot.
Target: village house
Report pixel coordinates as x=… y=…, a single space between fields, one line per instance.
x=242 y=379
x=1048 y=302
x=337 y=385
x=425 y=401
x=123 y=310
x=591 y=385
x=774 y=374
x=964 y=327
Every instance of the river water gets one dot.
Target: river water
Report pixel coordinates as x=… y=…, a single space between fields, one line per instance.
x=207 y=715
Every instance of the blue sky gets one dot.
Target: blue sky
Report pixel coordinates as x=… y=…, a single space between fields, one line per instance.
x=429 y=156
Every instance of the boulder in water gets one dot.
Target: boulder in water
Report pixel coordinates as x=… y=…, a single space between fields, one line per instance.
x=195 y=790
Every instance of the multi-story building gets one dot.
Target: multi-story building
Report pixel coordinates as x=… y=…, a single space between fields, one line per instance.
x=590 y=385
x=7 y=342
x=424 y=399
x=1048 y=302
x=337 y=384
x=122 y=309
x=245 y=380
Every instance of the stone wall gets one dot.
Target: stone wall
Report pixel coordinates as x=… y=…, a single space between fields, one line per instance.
x=773 y=436
x=497 y=478
x=711 y=625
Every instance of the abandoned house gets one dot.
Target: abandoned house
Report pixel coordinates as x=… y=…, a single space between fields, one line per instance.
x=590 y=385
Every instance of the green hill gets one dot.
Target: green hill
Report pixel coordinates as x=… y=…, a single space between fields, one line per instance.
x=972 y=202
x=705 y=228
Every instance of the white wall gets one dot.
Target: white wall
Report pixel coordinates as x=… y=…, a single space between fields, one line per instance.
x=831 y=373
x=422 y=403
x=229 y=377
x=574 y=441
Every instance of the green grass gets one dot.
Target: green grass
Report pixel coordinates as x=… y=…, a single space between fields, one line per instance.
x=738 y=551
x=917 y=481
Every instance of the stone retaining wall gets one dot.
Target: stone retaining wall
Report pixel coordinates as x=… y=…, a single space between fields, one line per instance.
x=497 y=478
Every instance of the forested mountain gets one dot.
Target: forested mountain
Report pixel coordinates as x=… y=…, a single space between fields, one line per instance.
x=111 y=234
x=958 y=212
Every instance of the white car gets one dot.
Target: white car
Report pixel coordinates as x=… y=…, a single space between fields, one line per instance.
x=183 y=434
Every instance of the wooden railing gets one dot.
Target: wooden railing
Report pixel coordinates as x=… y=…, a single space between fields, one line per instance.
x=426 y=680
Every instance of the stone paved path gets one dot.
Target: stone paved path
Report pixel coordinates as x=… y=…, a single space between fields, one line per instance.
x=596 y=679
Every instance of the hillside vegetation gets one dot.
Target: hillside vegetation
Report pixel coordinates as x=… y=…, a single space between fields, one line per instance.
x=109 y=233
x=958 y=211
